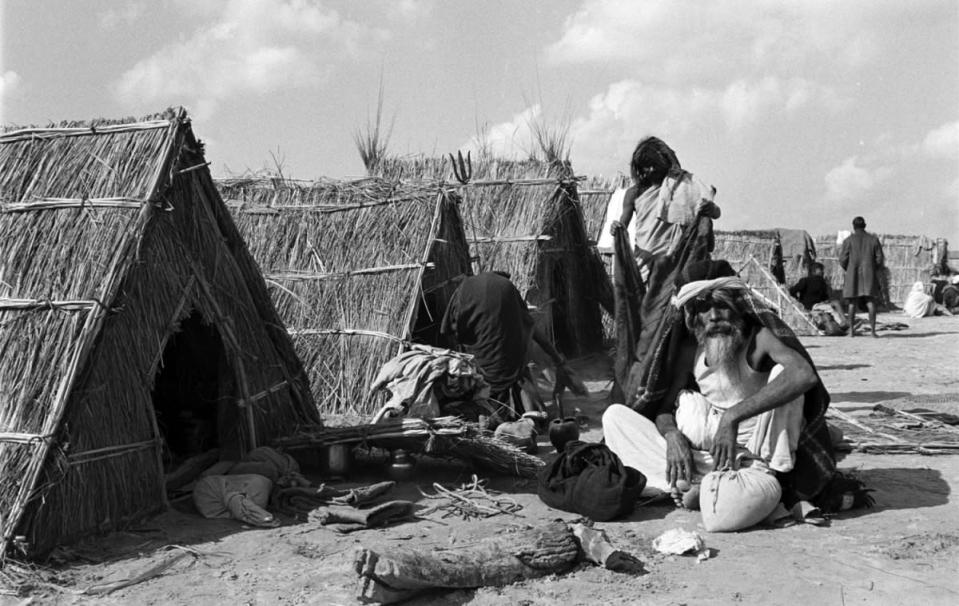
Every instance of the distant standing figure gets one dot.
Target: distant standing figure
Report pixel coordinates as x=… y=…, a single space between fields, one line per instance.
x=861 y=257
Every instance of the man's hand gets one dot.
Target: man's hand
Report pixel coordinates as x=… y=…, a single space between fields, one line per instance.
x=725 y=444
x=679 y=458
x=614 y=227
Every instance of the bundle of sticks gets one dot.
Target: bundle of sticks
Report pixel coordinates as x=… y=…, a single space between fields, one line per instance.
x=442 y=436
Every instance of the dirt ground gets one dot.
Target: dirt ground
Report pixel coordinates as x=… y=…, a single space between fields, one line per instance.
x=904 y=550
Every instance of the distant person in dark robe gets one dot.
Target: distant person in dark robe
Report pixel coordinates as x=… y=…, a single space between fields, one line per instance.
x=861 y=257
x=489 y=318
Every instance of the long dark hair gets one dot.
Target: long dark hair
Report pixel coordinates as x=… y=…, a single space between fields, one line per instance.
x=652 y=161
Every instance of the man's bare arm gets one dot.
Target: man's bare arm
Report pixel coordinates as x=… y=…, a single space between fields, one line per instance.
x=679 y=455
x=796 y=378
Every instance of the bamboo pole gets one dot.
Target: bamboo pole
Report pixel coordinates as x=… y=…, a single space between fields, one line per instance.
x=498 y=239
x=320 y=208
x=32 y=304
x=22 y=438
x=54 y=132
x=346 y=274
x=45 y=203
x=788 y=299
x=294 y=332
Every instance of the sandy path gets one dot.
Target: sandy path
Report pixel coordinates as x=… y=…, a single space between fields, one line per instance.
x=905 y=550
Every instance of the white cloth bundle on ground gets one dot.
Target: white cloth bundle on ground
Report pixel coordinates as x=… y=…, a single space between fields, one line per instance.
x=919 y=304
x=732 y=500
x=242 y=497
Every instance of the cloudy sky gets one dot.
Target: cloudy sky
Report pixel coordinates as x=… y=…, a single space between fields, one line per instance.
x=803 y=114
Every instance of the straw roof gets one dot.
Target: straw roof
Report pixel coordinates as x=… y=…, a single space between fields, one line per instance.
x=110 y=236
x=357 y=269
x=525 y=218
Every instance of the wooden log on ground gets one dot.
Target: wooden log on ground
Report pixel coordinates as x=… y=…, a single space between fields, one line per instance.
x=401 y=573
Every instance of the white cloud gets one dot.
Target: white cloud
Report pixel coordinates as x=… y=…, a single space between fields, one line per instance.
x=849 y=181
x=9 y=82
x=942 y=142
x=512 y=139
x=123 y=15
x=681 y=40
x=9 y=86
x=248 y=47
x=629 y=108
x=410 y=10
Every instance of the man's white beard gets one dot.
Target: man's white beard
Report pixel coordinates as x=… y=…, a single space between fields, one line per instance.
x=721 y=349
x=723 y=345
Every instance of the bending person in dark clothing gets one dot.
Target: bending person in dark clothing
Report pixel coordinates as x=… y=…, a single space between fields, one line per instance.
x=815 y=294
x=488 y=316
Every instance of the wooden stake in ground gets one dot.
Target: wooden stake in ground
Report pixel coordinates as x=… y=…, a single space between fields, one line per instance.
x=387 y=578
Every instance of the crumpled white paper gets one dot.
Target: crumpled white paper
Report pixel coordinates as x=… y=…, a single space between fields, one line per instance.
x=677 y=541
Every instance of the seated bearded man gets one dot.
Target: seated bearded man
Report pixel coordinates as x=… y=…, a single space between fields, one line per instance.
x=735 y=397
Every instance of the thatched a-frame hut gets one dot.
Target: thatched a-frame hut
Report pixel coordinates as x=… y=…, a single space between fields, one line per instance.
x=357 y=270
x=525 y=218
x=133 y=325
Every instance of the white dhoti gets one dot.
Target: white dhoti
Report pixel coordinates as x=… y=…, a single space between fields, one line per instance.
x=771 y=436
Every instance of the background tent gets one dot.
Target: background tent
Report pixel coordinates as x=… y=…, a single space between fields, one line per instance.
x=525 y=218
x=357 y=270
x=134 y=327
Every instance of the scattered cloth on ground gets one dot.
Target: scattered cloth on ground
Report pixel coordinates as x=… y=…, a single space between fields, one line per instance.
x=242 y=497
x=280 y=468
x=388 y=577
x=677 y=541
x=888 y=325
x=348 y=519
x=420 y=382
x=299 y=502
x=732 y=500
x=589 y=479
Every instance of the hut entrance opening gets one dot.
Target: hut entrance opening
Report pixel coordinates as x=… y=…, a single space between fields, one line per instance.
x=192 y=392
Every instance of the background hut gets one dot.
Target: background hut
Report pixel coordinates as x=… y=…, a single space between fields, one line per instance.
x=909 y=259
x=134 y=327
x=525 y=218
x=357 y=270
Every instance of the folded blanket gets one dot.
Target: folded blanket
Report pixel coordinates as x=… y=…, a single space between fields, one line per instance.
x=348 y=519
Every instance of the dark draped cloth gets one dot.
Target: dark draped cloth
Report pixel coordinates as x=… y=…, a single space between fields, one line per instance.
x=659 y=330
x=488 y=316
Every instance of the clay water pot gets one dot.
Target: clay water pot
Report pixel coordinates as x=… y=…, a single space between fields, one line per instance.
x=562 y=431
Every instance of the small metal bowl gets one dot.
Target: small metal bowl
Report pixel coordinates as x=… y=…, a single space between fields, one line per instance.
x=339 y=459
